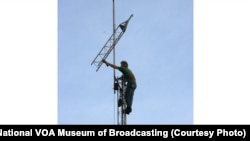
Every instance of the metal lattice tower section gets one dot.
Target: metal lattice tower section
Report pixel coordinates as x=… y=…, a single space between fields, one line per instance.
x=121 y=103
x=110 y=44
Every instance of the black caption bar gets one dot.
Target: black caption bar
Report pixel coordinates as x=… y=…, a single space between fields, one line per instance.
x=165 y=132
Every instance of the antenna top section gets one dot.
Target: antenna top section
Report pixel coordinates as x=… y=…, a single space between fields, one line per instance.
x=124 y=24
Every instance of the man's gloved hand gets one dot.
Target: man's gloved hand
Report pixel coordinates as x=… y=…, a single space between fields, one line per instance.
x=104 y=61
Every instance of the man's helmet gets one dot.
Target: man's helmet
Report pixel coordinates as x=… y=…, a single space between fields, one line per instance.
x=125 y=63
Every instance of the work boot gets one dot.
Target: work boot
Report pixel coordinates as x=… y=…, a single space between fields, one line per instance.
x=120 y=102
x=128 y=110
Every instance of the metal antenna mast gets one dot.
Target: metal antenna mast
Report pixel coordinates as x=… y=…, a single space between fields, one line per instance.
x=114 y=36
x=115 y=82
x=119 y=84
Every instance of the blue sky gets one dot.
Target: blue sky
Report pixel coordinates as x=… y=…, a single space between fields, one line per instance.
x=158 y=45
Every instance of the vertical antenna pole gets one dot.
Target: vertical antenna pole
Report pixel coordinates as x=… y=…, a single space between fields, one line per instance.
x=114 y=49
x=114 y=34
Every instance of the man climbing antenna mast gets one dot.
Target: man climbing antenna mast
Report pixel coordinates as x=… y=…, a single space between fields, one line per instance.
x=131 y=82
